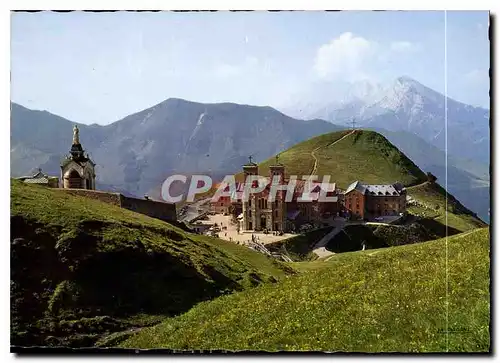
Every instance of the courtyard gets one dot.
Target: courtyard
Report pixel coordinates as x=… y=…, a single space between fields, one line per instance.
x=229 y=232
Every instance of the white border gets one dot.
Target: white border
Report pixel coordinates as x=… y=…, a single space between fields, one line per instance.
x=7 y=5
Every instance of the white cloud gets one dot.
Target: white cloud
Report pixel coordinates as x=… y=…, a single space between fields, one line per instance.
x=344 y=57
x=478 y=76
x=405 y=47
x=226 y=70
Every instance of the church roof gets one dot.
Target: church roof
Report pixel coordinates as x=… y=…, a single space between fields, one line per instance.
x=38 y=178
x=250 y=162
x=381 y=190
x=42 y=180
x=357 y=185
x=376 y=189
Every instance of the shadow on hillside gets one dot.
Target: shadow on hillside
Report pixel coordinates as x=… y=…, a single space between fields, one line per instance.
x=66 y=276
x=439 y=229
x=299 y=248
x=352 y=238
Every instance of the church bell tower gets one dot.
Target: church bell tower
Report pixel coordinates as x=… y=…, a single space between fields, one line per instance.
x=77 y=170
x=250 y=205
x=278 y=207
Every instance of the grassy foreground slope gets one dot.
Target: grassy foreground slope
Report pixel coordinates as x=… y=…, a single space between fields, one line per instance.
x=81 y=268
x=391 y=300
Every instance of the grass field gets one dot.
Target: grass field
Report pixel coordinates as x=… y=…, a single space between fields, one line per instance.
x=75 y=258
x=389 y=300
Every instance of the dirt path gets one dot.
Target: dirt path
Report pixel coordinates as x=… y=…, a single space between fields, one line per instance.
x=418 y=185
x=315 y=167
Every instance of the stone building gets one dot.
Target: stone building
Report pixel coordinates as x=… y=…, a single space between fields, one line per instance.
x=41 y=178
x=77 y=170
x=370 y=200
x=155 y=209
x=249 y=209
x=229 y=204
x=258 y=212
x=282 y=216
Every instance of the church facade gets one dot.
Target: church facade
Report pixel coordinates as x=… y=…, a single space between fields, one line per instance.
x=77 y=169
x=260 y=214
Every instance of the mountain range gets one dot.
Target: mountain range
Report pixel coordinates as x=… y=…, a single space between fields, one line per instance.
x=135 y=154
x=403 y=105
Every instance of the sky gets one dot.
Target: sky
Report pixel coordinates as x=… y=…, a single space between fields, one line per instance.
x=101 y=67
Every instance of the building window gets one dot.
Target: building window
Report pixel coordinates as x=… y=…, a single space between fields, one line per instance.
x=357 y=206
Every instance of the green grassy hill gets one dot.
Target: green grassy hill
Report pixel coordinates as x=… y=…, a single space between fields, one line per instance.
x=81 y=269
x=347 y=157
x=399 y=299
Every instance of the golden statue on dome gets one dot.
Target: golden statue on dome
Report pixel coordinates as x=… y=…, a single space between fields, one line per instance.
x=76 y=135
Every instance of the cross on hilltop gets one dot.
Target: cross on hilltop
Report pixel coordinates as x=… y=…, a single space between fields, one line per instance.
x=353 y=123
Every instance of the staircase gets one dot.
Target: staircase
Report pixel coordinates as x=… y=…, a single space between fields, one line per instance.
x=319 y=248
x=257 y=246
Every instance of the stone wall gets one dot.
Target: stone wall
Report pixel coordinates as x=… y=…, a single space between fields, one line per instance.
x=160 y=210
x=164 y=211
